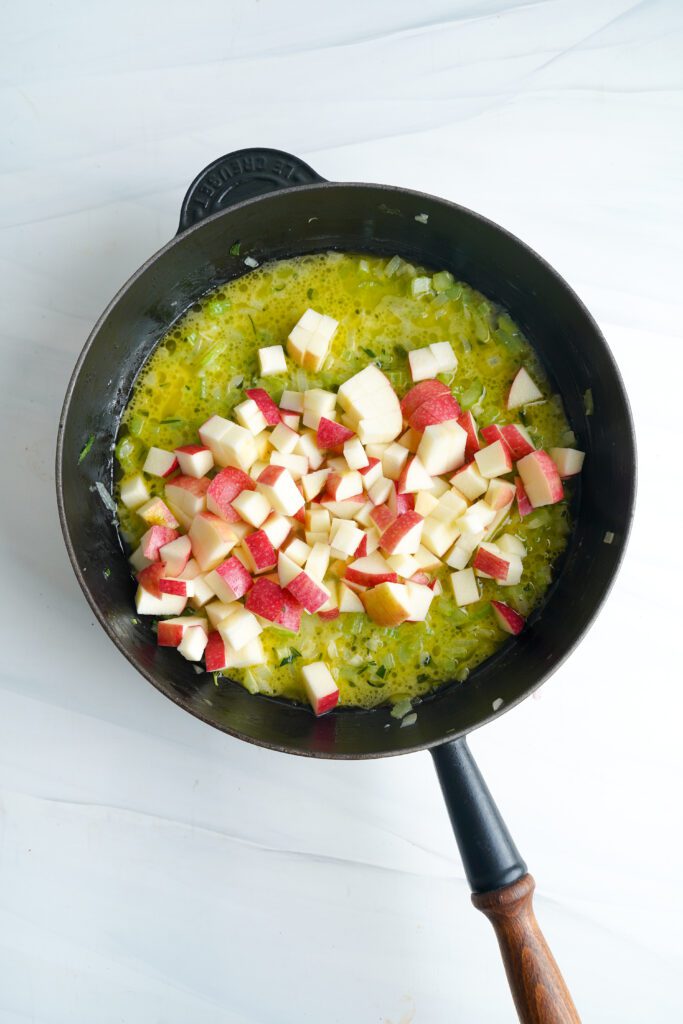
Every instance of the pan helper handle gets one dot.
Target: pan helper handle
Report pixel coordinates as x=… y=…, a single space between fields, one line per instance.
x=502 y=889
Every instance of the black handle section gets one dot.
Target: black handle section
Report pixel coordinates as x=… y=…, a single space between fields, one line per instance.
x=244 y=174
x=489 y=855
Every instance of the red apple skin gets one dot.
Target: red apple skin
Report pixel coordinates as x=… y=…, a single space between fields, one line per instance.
x=524 y=506
x=225 y=486
x=494 y=433
x=157 y=537
x=236 y=576
x=261 y=550
x=198 y=486
x=420 y=393
x=270 y=475
x=328 y=616
x=169 y=634
x=489 y=563
x=290 y=616
x=300 y=514
x=516 y=442
x=550 y=474
x=150 y=577
x=382 y=517
x=369 y=579
x=399 y=503
x=214 y=654
x=398 y=529
x=362 y=549
x=192 y=449
x=435 y=410
x=331 y=434
x=326 y=703
x=173 y=586
x=266 y=599
x=469 y=425
x=372 y=461
x=422 y=578
x=307 y=592
x=508 y=619
x=270 y=411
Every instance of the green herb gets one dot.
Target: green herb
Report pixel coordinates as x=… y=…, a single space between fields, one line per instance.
x=369 y=352
x=293 y=653
x=171 y=419
x=136 y=622
x=86 y=448
x=106 y=573
x=381 y=671
x=216 y=677
x=375 y=686
x=310 y=293
x=253 y=325
x=235 y=249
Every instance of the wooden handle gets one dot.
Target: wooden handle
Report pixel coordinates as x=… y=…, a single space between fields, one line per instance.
x=538 y=988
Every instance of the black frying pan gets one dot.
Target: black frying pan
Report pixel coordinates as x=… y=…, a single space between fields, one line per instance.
x=277 y=207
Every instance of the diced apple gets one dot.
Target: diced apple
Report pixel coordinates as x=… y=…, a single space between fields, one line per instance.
x=277 y=485
x=439 y=535
x=193 y=644
x=363 y=515
x=272 y=360
x=155 y=512
x=463 y=549
x=469 y=425
x=405 y=565
x=476 y=518
x=524 y=506
x=266 y=599
x=253 y=507
x=381 y=489
x=345 y=539
x=441 y=409
x=201 y=591
x=470 y=482
x=523 y=390
x=219 y=610
x=348 y=600
x=404 y=535
x=154 y=539
x=465 y=587
x=400 y=503
x=175 y=555
x=188 y=494
x=277 y=529
x=318 y=404
x=511 y=545
x=314 y=483
x=240 y=628
x=414 y=477
x=442 y=448
x=540 y=478
x=230 y=580
x=170 y=632
x=515 y=571
x=371 y=473
x=260 y=553
x=427 y=560
x=420 y=598
x=341 y=486
x=422 y=392
x=445 y=356
x=310 y=593
x=159 y=462
x=256 y=470
x=308 y=446
x=150 y=578
x=423 y=364
x=318 y=561
x=370 y=571
x=425 y=503
x=355 y=455
x=387 y=604
x=321 y=690
x=283 y=439
x=292 y=401
x=491 y=562
x=394 y=459
x=287 y=569
x=451 y=505
x=507 y=618
x=224 y=487
x=331 y=434
x=494 y=460
x=212 y=540
x=330 y=610
x=569 y=461
x=410 y=439
x=492 y=433
x=194 y=460
x=500 y=493
x=231 y=444
x=297 y=465
x=371 y=406
x=165 y=604
x=346 y=509
x=134 y=491
x=318 y=519
x=382 y=517
x=298 y=551
x=309 y=342
x=518 y=441
x=290 y=616
x=291 y=420
x=266 y=405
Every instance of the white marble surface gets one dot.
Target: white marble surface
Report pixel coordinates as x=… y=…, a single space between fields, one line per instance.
x=153 y=870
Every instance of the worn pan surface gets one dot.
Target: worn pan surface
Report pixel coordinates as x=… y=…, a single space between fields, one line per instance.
x=277 y=207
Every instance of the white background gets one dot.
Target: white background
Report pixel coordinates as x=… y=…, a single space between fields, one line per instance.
x=153 y=870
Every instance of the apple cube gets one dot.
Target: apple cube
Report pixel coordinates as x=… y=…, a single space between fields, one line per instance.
x=165 y=604
x=310 y=339
x=318 y=561
x=442 y=448
x=494 y=433
x=219 y=610
x=470 y=482
x=421 y=393
x=277 y=529
x=297 y=465
x=469 y=425
x=445 y=356
x=272 y=360
x=515 y=571
x=363 y=515
x=522 y=390
x=318 y=404
x=439 y=535
x=170 y=585
x=150 y=578
x=314 y=483
x=511 y=545
x=491 y=562
x=212 y=540
x=507 y=618
x=355 y=455
x=283 y=439
x=330 y=610
x=249 y=416
x=201 y=591
x=224 y=488
x=260 y=553
x=230 y=580
x=346 y=539
x=230 y=444
x=425 y=503
x=372 y=472
x=292 y=401
x=524 y=506
x=310 y=593
x=298 y=551
x=476 y=518
x=134 y=491
x=382 y=517
x=277 y=485
x=387 y=604
x=239 y=628
x=252 y=506
x=420 y=598
x=290 y=616
x=256 y=469
x=193 y=644
x=194 y=460
x=155 y=512
x=153 y=540
x=291 y=420
x=404 y=535
x=394 y=459
x=348 y=600
x=370 y=571
x=441 y=409
x=318 y=519
x=463 y=549
x=331 y=434
x=465 y=587
x=494 y=460
x=189 y=494
x=423 y=364
x=159 y=462
x=321 y=690
x=569 y=461
x=371 y=406
x=287 y=569
x=175 y=555
x=170 y=632
x=405 y=565
x=500 y=494
x=410 y=439
x=266 y=405
x=414 y=477
x=518 y=441
x=540 y=478
x=341 y=486
x=381 y=489
x=427 y=560
x=266 y=600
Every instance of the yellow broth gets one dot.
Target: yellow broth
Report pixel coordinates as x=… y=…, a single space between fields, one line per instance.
x=209 y=357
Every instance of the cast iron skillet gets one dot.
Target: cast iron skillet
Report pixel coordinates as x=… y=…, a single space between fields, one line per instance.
x=277 y=206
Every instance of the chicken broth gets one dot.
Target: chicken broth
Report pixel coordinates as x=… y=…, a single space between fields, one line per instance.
x=385 y=309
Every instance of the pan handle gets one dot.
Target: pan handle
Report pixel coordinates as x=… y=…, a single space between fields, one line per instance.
x=502 y=889
x=244 y=174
